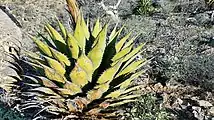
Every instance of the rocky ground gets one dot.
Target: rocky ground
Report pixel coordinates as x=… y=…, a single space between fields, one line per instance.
x=179 y=35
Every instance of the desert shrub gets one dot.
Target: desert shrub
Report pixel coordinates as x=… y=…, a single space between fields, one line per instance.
x=147 y=107
x=144 y=7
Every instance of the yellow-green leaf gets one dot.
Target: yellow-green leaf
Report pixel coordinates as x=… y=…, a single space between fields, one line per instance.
x=79 y=76
x=113 y=33
x=60 y=57
x=128 y=97
x=127 y=82
x=62 y=28
x=73 y=46
x=116 y=34
x=42 y=46
x=109 y=74
x=122 y=53
x=55 y=65
x=103 y=87
x=130 y=68
x=121 y=103
x=130 y=41
x=85 y=28
x=94 y=94
x=133 y=52
x=53 y=75
x=97 y=28
x=73 y=87
x=79 y=34
x=131 y=59
x=114 y=94
x=120 y=44
x=54 y=34
x=96 y=54
x=86 y=64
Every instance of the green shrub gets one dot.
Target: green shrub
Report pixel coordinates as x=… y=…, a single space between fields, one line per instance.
x=144 y=7
x=147 y=108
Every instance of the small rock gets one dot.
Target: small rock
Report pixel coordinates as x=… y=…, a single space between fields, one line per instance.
x=204 y=103
x=211 y=111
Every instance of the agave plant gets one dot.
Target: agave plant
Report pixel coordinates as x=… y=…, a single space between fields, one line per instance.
x=81 y=74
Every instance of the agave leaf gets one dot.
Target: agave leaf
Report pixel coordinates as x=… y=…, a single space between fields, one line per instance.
x=31 y=78
x=103 y=87
x=130 y=41
x=109 y=74
x=74 y=9
x=96 y=53
x=79 y=34
x=133 y=52
x=127 y=82
x=71 y=106
x=97 y=29
x=54 y=34
x=79 y=76
x=73 y=46
x=86 y=64
x=94 y=94
x=120 y=44
x=122 y=53
x=33 y=55
x=55 y=65
x=121 y=103
x=45 y=90
x=130 y=68
x=131 y=59
x=60 y=57
x=117 y=34
x=62 y=28
x=94 y=111
x=73 y=87
x=113 y=33
x=128 y=97
x=64 y=91
x=114 y=94
x=46 y=82
x=85 y=28
x=42 y=46
x=53 y=75
x=131 y=89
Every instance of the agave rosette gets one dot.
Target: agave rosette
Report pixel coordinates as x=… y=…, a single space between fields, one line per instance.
x=82 y=73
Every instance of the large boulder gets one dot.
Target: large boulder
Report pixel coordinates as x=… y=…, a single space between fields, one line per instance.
x=10 y=35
